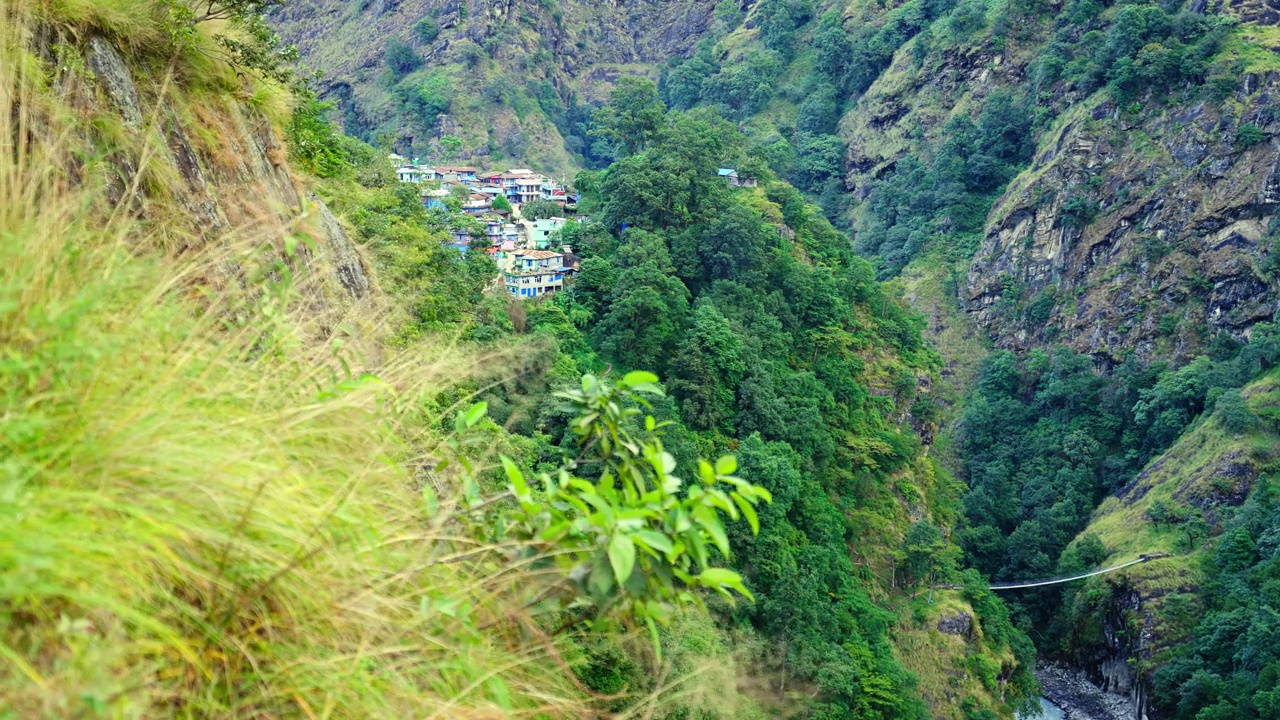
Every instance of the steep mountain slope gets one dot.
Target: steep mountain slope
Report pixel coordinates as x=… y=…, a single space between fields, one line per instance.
x=1142 y=222
x=1137 y=228
x=1140 y=632
x=1182 y=244
x=204 y=504
x=505 y=77
x=1101 y=177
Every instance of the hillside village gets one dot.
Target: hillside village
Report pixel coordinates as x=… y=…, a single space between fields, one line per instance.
x=530 y=259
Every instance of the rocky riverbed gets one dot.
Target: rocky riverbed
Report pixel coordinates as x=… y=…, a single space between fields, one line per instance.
x=1080 y=699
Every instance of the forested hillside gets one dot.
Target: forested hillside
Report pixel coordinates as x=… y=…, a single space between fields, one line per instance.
x=775 y=343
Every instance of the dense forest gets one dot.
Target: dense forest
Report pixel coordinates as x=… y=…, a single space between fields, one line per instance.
x=768 y=332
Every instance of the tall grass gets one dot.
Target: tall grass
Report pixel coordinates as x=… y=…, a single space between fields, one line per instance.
x=199 y=517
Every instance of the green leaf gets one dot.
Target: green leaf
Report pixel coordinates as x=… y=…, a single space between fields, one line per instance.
x=719 y=499
x=707 y=472
x=721 y=578
x=477 y=412
x=639 y=377
x=726 y=465
x=600 y=582
x=681 y=521
x=518 y=484
x=471 y=490
x=290 y=245
x=710 y=522
x=653 y=634
x=622 y=556
x=699 y=548
x=553 y=532
x=654 y=539
x=748 y=512
x=501 y=694
x=447 y=606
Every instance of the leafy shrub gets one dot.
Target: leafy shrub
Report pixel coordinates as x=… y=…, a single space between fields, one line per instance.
x=1248 y=135
x=400 y=58
x=426 y=97
x=632 y=537
x=427 y=30
x=1232 y=409
x=1079 y=210
x=540 y=209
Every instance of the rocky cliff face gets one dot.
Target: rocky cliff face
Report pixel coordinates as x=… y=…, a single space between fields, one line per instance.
x=1123 y=627
x=194 y=166
x=579 y=35
x=1138 y=230
x=1142 y=233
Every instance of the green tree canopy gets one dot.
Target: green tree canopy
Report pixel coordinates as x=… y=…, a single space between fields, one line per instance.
x=633 y=116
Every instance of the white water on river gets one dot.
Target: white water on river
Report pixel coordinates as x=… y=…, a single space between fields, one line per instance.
x=1048 y=711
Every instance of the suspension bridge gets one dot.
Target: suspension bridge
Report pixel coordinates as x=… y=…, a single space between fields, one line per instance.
x=1041 y=582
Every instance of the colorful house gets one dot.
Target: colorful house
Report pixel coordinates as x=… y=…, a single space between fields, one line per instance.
x=460 y=239
x=534 y=273
x=477 y=204
x=457 y=173
x=434 y=198
x=410 y=174
x=529 y=188
x=540 y=232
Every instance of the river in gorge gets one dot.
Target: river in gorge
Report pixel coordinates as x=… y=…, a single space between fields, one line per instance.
x=1069 y=695
x=1047 y=711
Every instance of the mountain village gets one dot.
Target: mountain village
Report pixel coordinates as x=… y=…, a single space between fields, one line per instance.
x=532 y=261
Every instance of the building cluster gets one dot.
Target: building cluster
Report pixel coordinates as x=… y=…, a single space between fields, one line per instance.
x=541 y=262
x=518 y=186
x=529 y=253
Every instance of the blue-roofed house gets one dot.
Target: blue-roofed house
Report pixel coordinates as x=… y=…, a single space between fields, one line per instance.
x=734 y=179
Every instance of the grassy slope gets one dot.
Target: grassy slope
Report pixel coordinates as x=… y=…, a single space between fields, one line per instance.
x=202 y=518
x=1206 y=468
x=943 y=662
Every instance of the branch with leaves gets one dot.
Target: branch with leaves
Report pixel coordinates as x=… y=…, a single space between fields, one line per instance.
x=253 y=47
x=632 y=539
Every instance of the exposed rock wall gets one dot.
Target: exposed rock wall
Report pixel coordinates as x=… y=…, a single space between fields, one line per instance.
x=580 y=48
x=1081 y=699
x=196 y=175
x=1181 y=245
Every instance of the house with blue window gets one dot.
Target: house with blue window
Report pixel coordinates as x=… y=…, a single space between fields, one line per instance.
x=434 y=198
x=460 y=239
x=534 y=273
x=462 y=174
